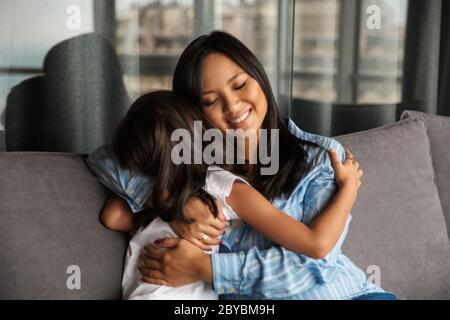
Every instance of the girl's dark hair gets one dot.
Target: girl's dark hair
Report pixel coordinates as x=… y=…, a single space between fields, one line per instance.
x=187 y=82
x=142 y=143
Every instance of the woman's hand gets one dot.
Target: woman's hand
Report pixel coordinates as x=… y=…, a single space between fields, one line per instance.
x=180 y=263
x=347 y=174
x=205 y=229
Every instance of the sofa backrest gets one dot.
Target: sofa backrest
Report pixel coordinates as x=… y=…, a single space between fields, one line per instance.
x=438 y=130
x=52 y=245
x=398 y=233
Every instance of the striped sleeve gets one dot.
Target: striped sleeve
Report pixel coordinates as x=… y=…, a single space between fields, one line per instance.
x=133 y=188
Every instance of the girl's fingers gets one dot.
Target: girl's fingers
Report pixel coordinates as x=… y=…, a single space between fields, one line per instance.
x=211 y=241
x=216 y=224
x=199 y=244
x=213 y=229
x=210 y=233
x=348 y=154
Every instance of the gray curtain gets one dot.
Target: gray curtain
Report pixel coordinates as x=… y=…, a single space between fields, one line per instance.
x=427 y=58
x=2 y=140
x=444 y=78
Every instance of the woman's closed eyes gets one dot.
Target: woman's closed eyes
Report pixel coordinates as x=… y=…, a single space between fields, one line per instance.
x=208 y=103
x=239 y=87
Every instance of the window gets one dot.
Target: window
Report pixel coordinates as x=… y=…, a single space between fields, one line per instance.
x=341 y=57
x=29 y=30
x=150 y=35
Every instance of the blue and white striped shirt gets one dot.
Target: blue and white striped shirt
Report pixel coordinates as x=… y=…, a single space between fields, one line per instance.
x=250 y=266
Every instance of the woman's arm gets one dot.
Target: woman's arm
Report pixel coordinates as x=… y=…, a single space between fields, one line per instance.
x=315 y=240
x=132 y=187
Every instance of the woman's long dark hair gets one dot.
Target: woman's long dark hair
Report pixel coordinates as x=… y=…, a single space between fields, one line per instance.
x=142 y=143
x=187 y=82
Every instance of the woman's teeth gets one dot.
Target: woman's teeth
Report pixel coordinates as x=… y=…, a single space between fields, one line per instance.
x=241 y=118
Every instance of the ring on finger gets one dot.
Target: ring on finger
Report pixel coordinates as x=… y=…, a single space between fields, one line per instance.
x=205 y=237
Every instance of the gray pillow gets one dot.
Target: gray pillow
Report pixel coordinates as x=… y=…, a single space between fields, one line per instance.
x=49 y=227
x=398 y=230
x=438 y=129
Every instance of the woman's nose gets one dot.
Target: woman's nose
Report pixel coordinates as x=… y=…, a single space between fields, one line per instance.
x=232 y=104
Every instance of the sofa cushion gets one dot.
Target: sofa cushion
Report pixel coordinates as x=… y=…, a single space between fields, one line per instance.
x=50 y=231
x=438 y=129
x=398 y=233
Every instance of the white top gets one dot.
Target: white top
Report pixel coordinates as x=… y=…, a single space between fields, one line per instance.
x=218 y=183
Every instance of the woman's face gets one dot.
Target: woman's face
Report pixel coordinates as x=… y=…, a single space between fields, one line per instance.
x=232 y=99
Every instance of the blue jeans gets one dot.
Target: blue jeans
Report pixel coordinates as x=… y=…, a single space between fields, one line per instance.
x=376 y=296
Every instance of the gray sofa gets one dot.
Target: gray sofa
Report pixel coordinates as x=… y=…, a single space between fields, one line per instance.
x=52 y=245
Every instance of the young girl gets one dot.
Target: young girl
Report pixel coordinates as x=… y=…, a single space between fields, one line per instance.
x=143 y=144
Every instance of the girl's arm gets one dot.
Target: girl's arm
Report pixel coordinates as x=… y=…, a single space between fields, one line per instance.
x=117 y=216
x=316 y=240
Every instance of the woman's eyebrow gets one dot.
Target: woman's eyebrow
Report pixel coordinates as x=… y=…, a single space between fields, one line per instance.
x=231 y=79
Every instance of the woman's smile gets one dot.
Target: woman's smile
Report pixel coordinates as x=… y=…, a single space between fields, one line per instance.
x=241 y=120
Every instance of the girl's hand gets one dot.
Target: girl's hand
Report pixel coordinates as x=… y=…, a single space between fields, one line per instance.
x=205 y=229
x=347 y=174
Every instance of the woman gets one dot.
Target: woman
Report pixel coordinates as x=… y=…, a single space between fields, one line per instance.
x=222 y=77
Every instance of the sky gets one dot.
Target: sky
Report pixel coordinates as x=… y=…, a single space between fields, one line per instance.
x=30 y=28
